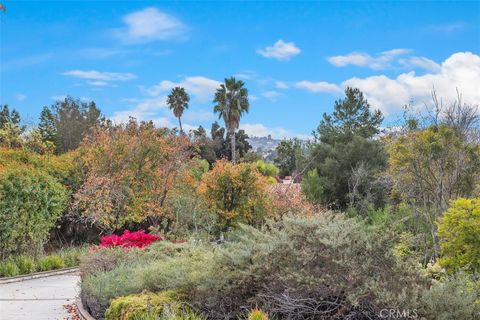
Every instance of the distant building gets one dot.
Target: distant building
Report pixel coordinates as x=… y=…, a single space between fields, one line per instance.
x=287 y=180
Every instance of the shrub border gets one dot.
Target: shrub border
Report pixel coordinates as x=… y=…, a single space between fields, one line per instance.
x=82 y=313
x=37 y=275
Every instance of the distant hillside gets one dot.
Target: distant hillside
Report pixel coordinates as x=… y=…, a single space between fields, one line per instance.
x=265 y=146
x=263 y=143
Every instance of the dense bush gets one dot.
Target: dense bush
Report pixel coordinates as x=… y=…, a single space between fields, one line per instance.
x=30 y=203
x=327 y=263
x=62 y=167
x=268 y=170
x=457 y=297
x=235 y=193
x=130 y=170
x=458 y=230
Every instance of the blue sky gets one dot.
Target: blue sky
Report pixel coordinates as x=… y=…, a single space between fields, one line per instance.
x=295 y=57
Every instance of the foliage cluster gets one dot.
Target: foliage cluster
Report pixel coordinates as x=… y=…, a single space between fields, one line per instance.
x=129 y=172
x=235 y=193
x=287 y=268
x=31 y=201
x=458 y=230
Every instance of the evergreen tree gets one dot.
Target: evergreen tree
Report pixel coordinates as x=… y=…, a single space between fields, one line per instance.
x=346 y=156
x=47 y=127
x=73 y=119
x=10 y=117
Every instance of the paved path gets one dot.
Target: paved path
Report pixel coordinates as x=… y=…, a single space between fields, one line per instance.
x=38 y=299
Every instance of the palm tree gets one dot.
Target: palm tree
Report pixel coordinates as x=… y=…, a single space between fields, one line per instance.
x=178 y=101
x=231 y=100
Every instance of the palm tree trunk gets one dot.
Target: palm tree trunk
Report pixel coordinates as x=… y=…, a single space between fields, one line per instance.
x=180 y=123
x=232 y=142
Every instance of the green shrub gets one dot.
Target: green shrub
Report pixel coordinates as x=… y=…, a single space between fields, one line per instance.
x=162 y=305
x=108 y=273
x=8 y=268
x=267 y=169
x=458 y=231
x=30 y=203
x=312 y=187
x=457 y=297
x=287 y=267
x=50 y=262
x=25 y=264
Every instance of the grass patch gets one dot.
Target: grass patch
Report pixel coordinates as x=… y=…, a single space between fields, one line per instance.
x=20 y=265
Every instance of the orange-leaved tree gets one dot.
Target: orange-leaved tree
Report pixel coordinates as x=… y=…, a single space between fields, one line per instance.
x=129 y=172
x=236 y=193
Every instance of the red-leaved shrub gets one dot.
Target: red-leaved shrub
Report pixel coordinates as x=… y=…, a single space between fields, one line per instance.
x=137 y=239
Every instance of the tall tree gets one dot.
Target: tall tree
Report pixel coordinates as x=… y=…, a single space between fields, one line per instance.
x=178 y=101
x=73 y=119
x=231 y=100
x=10 y=128
x=47 y=127
x=289 y=156
x=346 y=156
x=352 y=116
x=11 y=117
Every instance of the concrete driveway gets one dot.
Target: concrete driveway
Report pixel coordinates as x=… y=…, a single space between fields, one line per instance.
x=38 y=299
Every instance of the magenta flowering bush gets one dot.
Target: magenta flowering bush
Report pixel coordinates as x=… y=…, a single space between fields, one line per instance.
x=137 y=239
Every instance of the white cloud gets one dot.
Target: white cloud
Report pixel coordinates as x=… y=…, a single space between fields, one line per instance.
x=155 y=110
x=446 y=28
x=280 y=50
x=98 y=83
x=361 y=59
x=200 y=115
x=150 y=24
x=201 y=88
x=99 y=76
x=260 y=130
x=20 y=96
x=461 y=70
x=281 y=85
x=320 y=86
x=271 y=95
x=421 y=62
x=101 y=53
x=145 y=109
x=247 y=75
